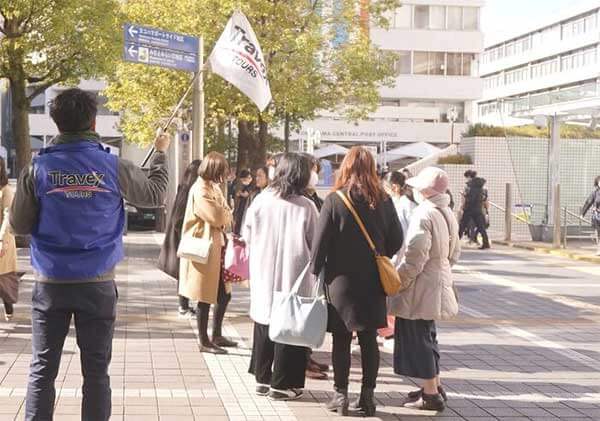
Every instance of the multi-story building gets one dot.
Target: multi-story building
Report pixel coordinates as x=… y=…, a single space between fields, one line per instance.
x=41 y=127
x=438 y=43
x=550 y=67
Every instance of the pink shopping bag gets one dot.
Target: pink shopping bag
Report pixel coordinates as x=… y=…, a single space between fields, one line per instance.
x=236 y=259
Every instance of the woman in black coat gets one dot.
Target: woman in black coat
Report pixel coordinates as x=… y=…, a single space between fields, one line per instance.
x=356 y=297
x=593 y=203
x=168 y=261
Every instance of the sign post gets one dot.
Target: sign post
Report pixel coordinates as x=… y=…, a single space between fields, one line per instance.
x=198 y=109
x=172 y=50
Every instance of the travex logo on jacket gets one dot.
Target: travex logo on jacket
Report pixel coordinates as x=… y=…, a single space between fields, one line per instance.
x=79 y=231
x=77 y=186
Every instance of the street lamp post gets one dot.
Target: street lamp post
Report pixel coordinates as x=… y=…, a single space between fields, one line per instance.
x=452 y=115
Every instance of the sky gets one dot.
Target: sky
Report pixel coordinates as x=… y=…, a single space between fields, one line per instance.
x=503 y=15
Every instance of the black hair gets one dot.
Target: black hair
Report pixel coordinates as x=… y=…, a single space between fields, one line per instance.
x=470 y=174
x=74 y=110
x=314 y=161
x=245 y=174
x=397 y=178
x=291 y=175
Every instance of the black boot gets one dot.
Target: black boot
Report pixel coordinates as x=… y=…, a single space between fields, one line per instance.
x=366 y=402
x=339 y=403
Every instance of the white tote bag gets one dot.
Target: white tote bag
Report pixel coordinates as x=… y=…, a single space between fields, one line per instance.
x=297 y=320
x=196 y=249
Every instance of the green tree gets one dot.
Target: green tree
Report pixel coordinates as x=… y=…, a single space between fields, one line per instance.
x=45 y=42
x=318 y=59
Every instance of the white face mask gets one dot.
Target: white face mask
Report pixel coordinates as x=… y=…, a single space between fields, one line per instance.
x=314 y=180
x=419 y=198
x=271 y=173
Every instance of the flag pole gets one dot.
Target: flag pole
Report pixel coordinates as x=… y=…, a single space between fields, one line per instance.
x=198 y=107
x=170 y=120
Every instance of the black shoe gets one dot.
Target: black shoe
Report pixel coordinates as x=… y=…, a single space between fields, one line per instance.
x=263 y=389
x=285 y=395
x=417 y=394
x=484 y=247
x=365 y=403
x=433 y=403
x=339 y=403
x=223 y=342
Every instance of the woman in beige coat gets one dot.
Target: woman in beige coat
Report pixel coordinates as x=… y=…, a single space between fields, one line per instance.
x=207 y=208
x=8 y=249
x=432 y=249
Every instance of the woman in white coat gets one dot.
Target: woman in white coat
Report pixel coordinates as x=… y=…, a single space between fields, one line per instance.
x=432 y=249
x=279 y=230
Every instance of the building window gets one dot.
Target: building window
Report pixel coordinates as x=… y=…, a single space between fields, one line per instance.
x=403 y=64
x=467 y=60
x=438 y=17
x=437 y=63
x=454 y=64
x=420 y=63
x=403 y=17
x=422 y=17
x=455 y=18
x=471 y=18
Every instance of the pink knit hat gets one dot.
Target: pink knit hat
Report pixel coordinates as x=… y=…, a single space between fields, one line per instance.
x=430 y=181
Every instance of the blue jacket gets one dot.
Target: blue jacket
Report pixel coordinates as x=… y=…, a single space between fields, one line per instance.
x=70 y=200
x=79 y=234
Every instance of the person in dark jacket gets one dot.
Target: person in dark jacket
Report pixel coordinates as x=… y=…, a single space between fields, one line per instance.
x=243 y=191
x=593 y=203
x=474 y=208
x=356 y=297
x=168 y=261
x=70 y=200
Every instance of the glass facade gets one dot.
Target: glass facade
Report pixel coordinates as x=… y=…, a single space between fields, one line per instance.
x=454 y=18
x=434 y=63
x=563 y=63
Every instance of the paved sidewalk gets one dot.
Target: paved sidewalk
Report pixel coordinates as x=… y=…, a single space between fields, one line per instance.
x=526 y=346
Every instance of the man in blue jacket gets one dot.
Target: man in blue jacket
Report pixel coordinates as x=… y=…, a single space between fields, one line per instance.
x=70 y=200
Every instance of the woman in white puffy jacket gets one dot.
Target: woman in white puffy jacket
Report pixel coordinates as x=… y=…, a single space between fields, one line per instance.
x=432 y=249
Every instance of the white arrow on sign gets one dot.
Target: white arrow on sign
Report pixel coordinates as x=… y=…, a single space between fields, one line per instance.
x=132 y=51
x=132 y=31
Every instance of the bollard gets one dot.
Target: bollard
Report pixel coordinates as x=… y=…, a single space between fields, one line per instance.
x=508 y=213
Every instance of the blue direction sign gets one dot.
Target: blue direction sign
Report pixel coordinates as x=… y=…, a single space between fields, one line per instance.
x=159 y=57
x=157 y=38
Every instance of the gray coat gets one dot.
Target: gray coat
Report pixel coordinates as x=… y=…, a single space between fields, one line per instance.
x=279 y=234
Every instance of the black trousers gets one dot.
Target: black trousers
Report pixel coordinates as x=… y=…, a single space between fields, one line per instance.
x=478 y=218
x=93 y=306
x=281 y=366
x=341 y=358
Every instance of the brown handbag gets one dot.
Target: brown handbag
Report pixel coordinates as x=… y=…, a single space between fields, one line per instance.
x=390 y=280
x=9 y=286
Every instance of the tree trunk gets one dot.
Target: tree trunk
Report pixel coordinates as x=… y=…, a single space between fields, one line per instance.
x=20 y=122
x=252 y=146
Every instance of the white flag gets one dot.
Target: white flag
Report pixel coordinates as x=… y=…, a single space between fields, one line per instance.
x=238 y=59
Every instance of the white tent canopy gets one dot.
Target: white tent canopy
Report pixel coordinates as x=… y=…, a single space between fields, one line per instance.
x=412 y=150
x=330 y=150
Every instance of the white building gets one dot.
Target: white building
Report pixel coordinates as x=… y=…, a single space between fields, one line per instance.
x=438 y=42
x=552 y=65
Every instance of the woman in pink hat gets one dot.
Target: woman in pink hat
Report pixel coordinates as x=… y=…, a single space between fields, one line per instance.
x=432 y=249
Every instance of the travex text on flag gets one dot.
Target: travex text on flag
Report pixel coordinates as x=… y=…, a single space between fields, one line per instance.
x=238 y=58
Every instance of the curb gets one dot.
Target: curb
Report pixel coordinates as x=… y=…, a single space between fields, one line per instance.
x=549 y=250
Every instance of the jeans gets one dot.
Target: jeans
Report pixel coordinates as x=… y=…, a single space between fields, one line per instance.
x=369 y=356
x=93 y=306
